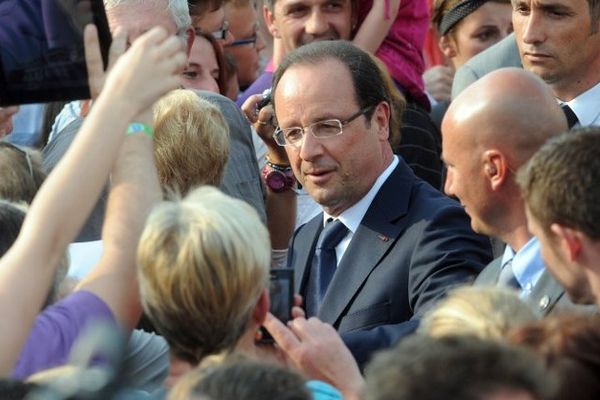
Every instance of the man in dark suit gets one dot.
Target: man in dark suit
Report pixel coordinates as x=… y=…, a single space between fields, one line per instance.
x=394 y=244
x=489 y=132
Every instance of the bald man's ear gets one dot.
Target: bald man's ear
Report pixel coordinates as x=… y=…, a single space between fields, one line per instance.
x=495 y=168
x=447 y=46
x=570 y=240
x=269 y=18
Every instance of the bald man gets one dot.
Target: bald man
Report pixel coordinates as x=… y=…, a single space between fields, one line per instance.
x=488 y=133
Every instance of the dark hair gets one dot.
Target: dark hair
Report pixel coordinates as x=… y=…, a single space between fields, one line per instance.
x=560 y=183
x=455 y=367
x=369 y=87
x=239 y=377
x=570 y=345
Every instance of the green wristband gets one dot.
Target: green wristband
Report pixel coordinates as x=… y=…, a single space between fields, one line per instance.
x=137 y=127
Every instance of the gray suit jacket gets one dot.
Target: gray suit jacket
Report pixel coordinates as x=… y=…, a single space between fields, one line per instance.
x=412 y=245
x=241 y=178
x=547 y=296
x=503 y=54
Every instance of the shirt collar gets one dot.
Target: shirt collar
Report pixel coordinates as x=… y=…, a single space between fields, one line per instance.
x=586 y=106
x=527 y=263
x=352 y=216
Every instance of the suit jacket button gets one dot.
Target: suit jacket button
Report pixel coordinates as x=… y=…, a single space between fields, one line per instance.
x=544 y=302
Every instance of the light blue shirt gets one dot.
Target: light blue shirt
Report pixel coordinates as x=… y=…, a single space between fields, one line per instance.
x=527 y=265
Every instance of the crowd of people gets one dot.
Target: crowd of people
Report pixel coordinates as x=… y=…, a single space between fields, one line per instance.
x=437 y=225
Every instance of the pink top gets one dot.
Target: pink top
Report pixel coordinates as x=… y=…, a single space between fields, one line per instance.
x=401 y=50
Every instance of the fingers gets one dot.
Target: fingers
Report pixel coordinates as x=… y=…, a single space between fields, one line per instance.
x=93 y=60
x=117 y=47
x=298 y=312
x=282 y=335
x=249 y=107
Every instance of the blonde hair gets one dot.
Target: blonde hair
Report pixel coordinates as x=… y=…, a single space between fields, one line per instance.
x=485 y=312
x=191 y=142
x=203 y=264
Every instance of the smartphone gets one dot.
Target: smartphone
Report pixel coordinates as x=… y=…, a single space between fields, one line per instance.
x=42 y=56
x=281 y=292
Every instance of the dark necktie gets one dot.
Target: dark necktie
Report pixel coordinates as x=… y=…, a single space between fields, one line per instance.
x=324 y=264
x=507 y=277
x=571 y=117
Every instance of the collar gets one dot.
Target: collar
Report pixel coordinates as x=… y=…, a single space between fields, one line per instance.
x=354 y=215
x=586 y=106
x=527 y=264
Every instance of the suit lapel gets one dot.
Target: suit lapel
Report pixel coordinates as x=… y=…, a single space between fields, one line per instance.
x=377 y=233
x=304 y=248
x=545 y=294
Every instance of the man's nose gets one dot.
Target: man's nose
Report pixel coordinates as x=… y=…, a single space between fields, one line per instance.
x=533 y=28
x=317 y=23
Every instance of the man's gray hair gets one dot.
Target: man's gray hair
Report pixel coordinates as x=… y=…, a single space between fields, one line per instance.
x=178 y=8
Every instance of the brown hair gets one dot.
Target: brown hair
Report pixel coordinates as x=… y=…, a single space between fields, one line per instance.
x=560 y=182
x=570 y=345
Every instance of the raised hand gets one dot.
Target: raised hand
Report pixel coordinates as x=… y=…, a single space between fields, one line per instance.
x=317 y=350
x=149 y=69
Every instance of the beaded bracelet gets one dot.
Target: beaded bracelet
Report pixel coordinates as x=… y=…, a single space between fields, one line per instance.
x=137 y=127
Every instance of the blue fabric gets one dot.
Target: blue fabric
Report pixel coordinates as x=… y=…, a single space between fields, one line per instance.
x=527 y=265
x=323 y=391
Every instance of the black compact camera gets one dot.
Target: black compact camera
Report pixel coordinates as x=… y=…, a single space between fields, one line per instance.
x=266 y=100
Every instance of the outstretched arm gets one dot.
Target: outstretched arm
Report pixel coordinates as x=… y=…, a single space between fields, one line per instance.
x=376 y=25
x=68 y=194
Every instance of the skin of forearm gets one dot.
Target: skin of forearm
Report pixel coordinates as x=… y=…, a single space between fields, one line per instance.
x=135 y=190
x=375 y=27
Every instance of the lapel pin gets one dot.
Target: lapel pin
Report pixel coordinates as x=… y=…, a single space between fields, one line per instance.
x=544 y=302
x=383 y=238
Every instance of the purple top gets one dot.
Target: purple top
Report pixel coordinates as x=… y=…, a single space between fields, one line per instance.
x=263 y=82
x=56 y=329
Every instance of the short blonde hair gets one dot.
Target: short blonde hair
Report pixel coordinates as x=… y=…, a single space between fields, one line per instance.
x=191 y=141
x=203 y=264
x=485 y=312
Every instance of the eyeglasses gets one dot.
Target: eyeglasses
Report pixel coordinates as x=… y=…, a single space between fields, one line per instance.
x=221 y=34
x=321 y=129
x=242 y=42
x=19 y=150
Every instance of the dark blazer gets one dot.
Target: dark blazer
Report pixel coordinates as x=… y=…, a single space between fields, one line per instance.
x=547 y=296
x=412 y=245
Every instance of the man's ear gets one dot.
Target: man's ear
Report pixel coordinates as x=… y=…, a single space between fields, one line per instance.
x=190 y=36
x=447 y=46
x=381 y=117
x=495 y=168
x=262 y=308
x=269 y=18
x=570 y=240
